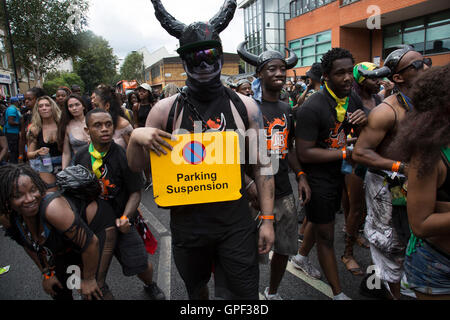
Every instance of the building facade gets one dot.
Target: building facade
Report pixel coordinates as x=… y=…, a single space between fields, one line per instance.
x=7 y=82
x=170 y=70
x=369 y=29
x=264 y=23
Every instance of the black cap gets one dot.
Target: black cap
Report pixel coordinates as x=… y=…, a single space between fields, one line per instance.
x=315 y=72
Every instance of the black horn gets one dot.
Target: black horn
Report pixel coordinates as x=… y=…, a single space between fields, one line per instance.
x=247 y=56
x=292 y=60
x=168 y=22
x=221 y=20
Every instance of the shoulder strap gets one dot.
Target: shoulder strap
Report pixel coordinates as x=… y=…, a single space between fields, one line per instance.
x=171 y=119
x=240 y=106
x=395 y=113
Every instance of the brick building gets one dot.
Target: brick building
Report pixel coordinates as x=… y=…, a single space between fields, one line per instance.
x=170 y=70
x=369 y=29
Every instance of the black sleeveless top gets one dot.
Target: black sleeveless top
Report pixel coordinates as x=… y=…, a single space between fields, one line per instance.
x=443 y=192
x=53 y=147
x=144 y=110
x=212 y=217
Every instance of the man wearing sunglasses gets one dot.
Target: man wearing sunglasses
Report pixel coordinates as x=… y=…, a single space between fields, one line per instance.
x=386 y=225
x=219 y=236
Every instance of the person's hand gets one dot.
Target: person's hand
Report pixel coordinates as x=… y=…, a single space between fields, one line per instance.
x=43 y=151
x=304 y=189
x=123 y=224
x=358 y=118
x=90 y=290
x=48 y=285
x=266 y=237
x=388 y=85
x=152 y=139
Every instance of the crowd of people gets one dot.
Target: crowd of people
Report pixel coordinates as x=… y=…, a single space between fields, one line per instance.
x=373 y=142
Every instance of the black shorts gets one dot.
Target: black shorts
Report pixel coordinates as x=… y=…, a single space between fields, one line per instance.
x=130 y=251
x=232 y=256
x=324 y=203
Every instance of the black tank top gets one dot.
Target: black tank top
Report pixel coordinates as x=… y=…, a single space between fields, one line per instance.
x=144 y=110
x=217 y=216
x=443 y=192
x=53 y=147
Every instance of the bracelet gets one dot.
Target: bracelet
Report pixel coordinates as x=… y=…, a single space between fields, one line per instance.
x=344 y=153
x=123 y=218
x=249 y=184
x=266 y=217
x=300 y=173
x=48 y=274
x=396 y=166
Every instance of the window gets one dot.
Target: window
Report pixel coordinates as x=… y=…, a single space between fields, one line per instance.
x=428 y=35
x=299 y=7
x=310 y=49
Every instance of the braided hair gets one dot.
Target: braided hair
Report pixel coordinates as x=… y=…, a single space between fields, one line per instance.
x=9 y=177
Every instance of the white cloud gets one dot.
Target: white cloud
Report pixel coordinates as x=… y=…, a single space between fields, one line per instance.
x=131 y=25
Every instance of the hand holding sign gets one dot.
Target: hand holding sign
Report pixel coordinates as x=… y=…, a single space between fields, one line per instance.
x=152 y=139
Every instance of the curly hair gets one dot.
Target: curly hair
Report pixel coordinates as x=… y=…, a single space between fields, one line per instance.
x=9 y=176
x=332 y=55
x=426 y=129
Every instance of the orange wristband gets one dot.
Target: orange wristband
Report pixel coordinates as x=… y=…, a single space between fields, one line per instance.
x=396 y=166
x=48 y=276
x=123 y=218
x=300 y=173
x=266 y=217
x=344 y=153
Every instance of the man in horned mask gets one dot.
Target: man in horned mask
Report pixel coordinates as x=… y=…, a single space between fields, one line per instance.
x=219 y=236
x=278 y=121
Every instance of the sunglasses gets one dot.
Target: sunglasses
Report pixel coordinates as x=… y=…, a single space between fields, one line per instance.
x=418 y=65
x=210 y=56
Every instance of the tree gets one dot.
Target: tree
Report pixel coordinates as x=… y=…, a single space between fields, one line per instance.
x=54 y=80
x=95 y=62
x=45 y=32
x=133 y=67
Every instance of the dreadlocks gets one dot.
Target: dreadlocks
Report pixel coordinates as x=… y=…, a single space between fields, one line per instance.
x=9 y=176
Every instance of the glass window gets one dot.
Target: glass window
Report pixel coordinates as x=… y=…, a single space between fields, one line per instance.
x=440 y=32
x=311 y=49
x=324 y=37
x=294 y=45
x=414 y=37
x=323 y=48
x=441 y=17
x=307 y=41
x=413 y=24
x=308 y=51
x=308 y=61
x=428 y=34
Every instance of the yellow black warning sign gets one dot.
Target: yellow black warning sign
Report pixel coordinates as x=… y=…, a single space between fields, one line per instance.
x=201 y=168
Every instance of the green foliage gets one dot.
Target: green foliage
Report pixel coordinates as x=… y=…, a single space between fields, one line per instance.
x=133 y=67
x=61 y=79
x=42 y=31
x=95 y=62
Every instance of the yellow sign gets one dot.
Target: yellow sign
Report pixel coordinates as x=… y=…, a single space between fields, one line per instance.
x=201 y=168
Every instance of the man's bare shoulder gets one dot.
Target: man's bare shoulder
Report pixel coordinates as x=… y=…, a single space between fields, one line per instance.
x=383 y=115
x=249 y=103
x=159 y=114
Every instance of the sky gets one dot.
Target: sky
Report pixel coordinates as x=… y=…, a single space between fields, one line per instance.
x=131 y=25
